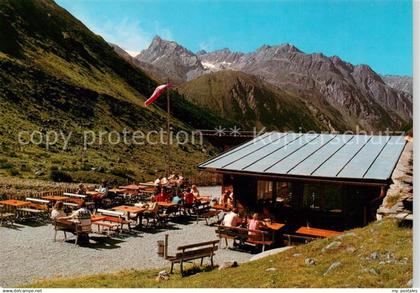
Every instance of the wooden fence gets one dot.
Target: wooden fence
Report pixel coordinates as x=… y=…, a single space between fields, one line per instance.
x=36 y=194
x=206 y=179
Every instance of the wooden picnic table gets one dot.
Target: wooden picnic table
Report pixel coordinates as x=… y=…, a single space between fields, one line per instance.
x=14 y=203
x=93 y=192
x=118 y=190
x=77 y=201
x=148 y=184
x=132 y=187
x=129 y=209
x=166 y=204
x=132 y=209
x=55 y=198
x=317 y=232
x=96 y=218
x=203 y=198
x=274 y=226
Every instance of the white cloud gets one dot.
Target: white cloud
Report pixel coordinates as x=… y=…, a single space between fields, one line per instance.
x=126 y=33
x=207 y=45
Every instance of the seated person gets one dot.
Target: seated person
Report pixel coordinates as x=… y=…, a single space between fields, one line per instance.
x=81 y=190
x=82 y=213
x=81 y=216
x=180 y=181
x=172 y=180
x=152 y=206
x=255 y=224
x=232 y=219
x=104 y=188
x=226 y=198
x=162 y=196
x=82 y=221
x=58 y=216
x=189 y=198
x=58 y=211
x=177 y=199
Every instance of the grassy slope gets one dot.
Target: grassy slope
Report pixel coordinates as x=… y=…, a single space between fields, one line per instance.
x=56 y=74
x=245 y=97
x=291 y=271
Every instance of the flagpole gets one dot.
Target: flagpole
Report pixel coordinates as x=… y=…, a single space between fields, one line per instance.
x=168 y=146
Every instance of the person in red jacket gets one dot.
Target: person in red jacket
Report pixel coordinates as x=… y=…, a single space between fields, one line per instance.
x=189 y=200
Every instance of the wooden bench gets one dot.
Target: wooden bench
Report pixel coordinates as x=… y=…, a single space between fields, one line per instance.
x=74 y=195
x=292 y=238
x=115 y=218
x=71 y=205
x=246 y=236
x=207 y=214
x=37 y=209
x=191 y=252
x=316 y=232
x=38 y=201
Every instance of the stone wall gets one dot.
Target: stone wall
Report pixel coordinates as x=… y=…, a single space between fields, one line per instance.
x=398 y=202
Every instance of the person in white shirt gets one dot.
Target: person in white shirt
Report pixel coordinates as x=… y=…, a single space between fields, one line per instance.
x=57 y=211
x=232 y=219
x=81 y=214
x=60 y=218
x=104 y=189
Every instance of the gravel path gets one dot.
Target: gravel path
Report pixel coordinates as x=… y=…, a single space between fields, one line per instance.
x=28 y=253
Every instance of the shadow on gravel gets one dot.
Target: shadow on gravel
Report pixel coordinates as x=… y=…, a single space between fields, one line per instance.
x=156 y=230
x=30 y=223
x=184 y=220
x=13 y=227
x=97 y=242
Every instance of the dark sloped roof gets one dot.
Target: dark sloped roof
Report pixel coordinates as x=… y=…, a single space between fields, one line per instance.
x=361 y=157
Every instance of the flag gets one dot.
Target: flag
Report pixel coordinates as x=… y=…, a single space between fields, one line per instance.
x=158 y=91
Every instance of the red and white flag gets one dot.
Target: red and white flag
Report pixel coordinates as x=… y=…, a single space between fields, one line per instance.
x=158 y=91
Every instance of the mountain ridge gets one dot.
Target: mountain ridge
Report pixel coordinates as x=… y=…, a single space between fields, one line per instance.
x=357 y=92
x=244 y=97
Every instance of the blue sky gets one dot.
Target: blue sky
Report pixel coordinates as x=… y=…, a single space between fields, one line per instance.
x=373 y=32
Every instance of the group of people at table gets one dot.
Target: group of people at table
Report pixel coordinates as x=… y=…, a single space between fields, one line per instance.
x=171 y=191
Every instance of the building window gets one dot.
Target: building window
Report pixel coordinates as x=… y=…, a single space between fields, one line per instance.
x=284 y=193
x=333 y=198
x=264 y=190
x=312 y=196
x=323 y=197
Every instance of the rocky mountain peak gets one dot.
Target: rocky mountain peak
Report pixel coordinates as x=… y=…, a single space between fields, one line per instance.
x=201 y=52
x=354 y=94
x=283 y=48
x=179 y=62
x=400 y=83
x=366 y=72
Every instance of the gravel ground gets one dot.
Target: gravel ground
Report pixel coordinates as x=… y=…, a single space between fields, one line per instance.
x=28 y=253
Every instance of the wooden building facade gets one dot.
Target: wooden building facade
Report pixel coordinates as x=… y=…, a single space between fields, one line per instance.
x=320 y=180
